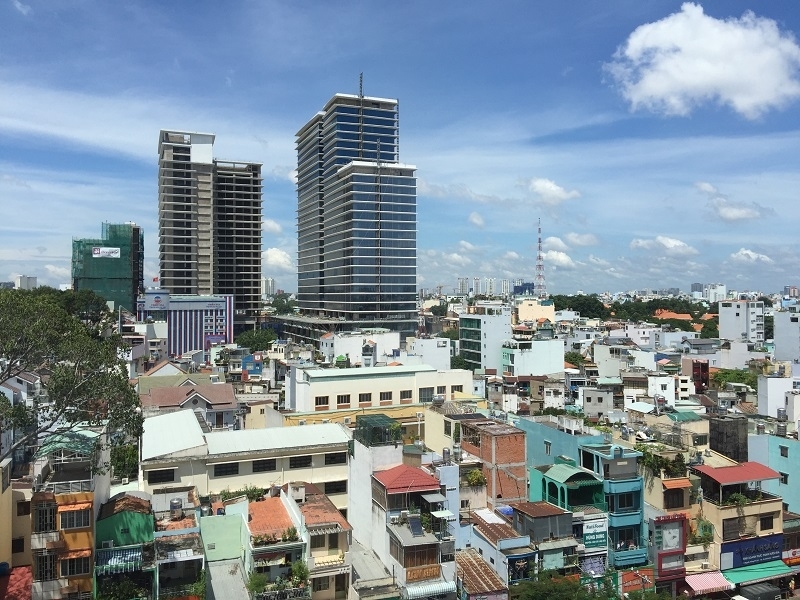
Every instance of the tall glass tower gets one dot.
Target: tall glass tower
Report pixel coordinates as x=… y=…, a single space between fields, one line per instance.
x=356 y=216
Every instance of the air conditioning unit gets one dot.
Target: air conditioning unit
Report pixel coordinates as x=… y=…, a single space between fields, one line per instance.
x=301 y=422
x=125 y=481
x=403 y=514
x=347 y=420
x=394 y=519
x=107 y=544
x=704 y=565
x=420 y=415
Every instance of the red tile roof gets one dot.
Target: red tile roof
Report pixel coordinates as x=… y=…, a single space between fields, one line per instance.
x=404 y=478
x=741 y=473
x=319 y=510
x=18 y=585
x=269 y=516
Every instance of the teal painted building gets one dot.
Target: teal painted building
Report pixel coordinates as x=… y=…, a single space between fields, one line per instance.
x=781 y=454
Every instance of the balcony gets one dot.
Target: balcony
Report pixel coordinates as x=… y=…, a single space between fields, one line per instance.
x=628 y=555
x=326 y=561
x=42 y=541
x=285 y=593
x=584 y=507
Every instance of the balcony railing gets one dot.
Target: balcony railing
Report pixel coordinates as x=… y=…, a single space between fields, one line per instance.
x=65 y=487
x=285 y=594
x=579 y=507
x=751 y=496
x=39 y=541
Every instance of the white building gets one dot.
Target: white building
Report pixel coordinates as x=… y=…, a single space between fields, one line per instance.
x=314 y=389
x=772 y=390
x=715 y=292
x=741 y=320
x=176 y=452
x=482 y=331
x=351 y=344
x=787 y=334
x=430 y=351
x=533 y=357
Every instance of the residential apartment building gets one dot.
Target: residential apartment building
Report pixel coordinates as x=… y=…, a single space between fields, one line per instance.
x=532 y=357
x=742 y=320
x=787 y=334
x=112 y=266
x=356 y=216
x=363 y=347
x=482 y=331
x=176 y=452
x=209 y=223
x=779 y=453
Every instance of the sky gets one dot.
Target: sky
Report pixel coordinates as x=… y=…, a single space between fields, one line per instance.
x=657 y=142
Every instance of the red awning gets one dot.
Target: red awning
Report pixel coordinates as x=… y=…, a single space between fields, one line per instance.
x=86 y=553
x=707 y=583
x=74 y=506
x=676 y=484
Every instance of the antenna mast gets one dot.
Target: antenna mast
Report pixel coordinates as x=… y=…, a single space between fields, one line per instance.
x=539 y=287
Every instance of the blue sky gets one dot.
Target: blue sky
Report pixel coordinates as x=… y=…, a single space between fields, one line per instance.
x=657 y=141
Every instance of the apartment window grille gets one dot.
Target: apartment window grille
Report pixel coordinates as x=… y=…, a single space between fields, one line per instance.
x=45 y=518
x=406 y=394
x=336 y=487
x=75 y=519
x=300 y=462
x=161 y=476
x=336 y=458
x=44 y=565
x=426 y=394
x=386 y=396
x=226 y=469
x=267 y=464
x=362 y=398
x=766 y=522
x=343 y=399
x=441 y=389
x=321 y=401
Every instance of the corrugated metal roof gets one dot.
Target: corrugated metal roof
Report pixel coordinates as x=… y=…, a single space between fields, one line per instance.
x=362 y=373
x=676 y=484
x=684 y=416
x=741 y=473
x=172 y=432
x=275 y=438
x=404 y=478
x=642 y=407
x=609 y=381
x=478 y=577
x=428 y=590
x=562 y=473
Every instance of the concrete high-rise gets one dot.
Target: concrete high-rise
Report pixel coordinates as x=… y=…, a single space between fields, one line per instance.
x=209 y=223
x=356 y=217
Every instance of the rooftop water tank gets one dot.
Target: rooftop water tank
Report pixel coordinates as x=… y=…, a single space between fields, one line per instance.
x=176 y=509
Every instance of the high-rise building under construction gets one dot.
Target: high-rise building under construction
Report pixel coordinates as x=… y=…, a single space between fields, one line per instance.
x=209 y=223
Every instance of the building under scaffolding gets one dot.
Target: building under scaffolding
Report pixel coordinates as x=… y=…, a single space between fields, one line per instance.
x=112 y=266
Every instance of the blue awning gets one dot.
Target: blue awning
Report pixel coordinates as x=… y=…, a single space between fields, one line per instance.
x=427 y=590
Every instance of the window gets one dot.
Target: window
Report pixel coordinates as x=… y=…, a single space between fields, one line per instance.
x=386 y=396
x=226 y=469
x=300 y=462
x=44 y=565
x=333 y=541
x=161 y=476
x=406 y=394
x=75 y=519
x=426 y=394
x=264 y=465
x=18 y=545
x=448 y=428
x=456 y=388
x=441 y=389
x=766 y=522
x=364 y=398
x=588 y=400
x=343 y=399
x=320 y=584
x=45 y=518
x=75 y=566
x=336 y=458
x=673 y=498
x=321 y=401
x=23 y=508
x=785 y=478
x=732 y=528
x=318 y=541
x=464 y=504
x=547 y=447
x=784 y=451
x=336 y=487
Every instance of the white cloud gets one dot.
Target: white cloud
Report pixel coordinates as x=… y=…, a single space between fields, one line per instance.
x=581 y=239
x=727 y=210
x=458 y=190
x=270 y=226
x=58 y=273
x=275 y=259
x=558 y=259
x=667 y=245
x=550 y=193
x=466 y=246
x=511 y=255
x=476 y=219
x=554 y=243
x=456 y=259
x=689 y=58
x=600 y=262
x=745 y=256
x=25 y=9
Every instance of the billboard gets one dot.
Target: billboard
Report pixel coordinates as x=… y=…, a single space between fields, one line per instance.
x=101 y=252
x=156 y=301
x=751 y=551
x=595 y=533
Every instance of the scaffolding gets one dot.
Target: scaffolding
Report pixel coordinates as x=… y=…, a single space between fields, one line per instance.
x=111 y=266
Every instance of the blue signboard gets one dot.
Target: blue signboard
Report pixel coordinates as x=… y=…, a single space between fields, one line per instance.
x=521 y=566
x=752 y=551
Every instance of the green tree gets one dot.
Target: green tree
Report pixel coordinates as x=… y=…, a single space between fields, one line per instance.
x=84 y=379
x=710 y=329
x=283 y=304
x=769 y=327
x=451 y=334
x=256 y=339
x=120 y=588
x=125 y=460
x=440 y=310
x=459 y=362
x=724 y=376
x=588 y=306
x=574 y=358
x=765 y=300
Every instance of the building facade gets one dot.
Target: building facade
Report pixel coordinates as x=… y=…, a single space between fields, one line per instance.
x=356 y=216
x=742 y=320
x=209 y=222
x=112 y=265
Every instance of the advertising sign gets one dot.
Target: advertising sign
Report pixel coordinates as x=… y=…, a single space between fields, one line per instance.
x=752 y=551
x=99 y=252
x=156 y=301
x=637 y=580
x=521 y=566
x=595 y=533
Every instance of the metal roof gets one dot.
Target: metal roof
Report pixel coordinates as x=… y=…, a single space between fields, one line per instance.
x=684 y=416
x=741 y=473
x=477 y=575
x=372 y=372
x=170 y=433
x=81 y=441
x=276 y=438
x=562 y=473
x=642 y=407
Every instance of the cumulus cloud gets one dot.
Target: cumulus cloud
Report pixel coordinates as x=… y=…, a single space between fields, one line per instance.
x=56 y=272
x=476 y=219
x=748 y=257
x=600 y=262
x=689 y=58
x=581 y=239
x=466 y=246
x=559 y=259
x=454 y=258
x=511 y=255
x=270 y=226
x=554 y=243
x=727 y=210
x=667 y=245
x=275 y=259
x=550 y=193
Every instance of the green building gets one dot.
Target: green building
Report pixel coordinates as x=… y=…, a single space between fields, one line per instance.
x=112 y=266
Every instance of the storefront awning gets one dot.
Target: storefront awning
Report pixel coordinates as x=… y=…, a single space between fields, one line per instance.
x=757 y=573
x=85 y=553
x=707 y=583
x=442 y=514
x=75 y=506
x=428 y=590
x=676 y=484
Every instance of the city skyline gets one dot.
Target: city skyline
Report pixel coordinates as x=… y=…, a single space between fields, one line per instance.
x=645 y=172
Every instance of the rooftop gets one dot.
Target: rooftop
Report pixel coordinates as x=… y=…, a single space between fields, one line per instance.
x=276 y=438
x=269 y=517
x=492 y=527
x=537 y=509
x=371 y=373
x=186 y=545
x=321 y=513
x=217 y=394
x=405 y=479
x=478 y=577
x=124 y=503
x=171 y=433
x=742 y=473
